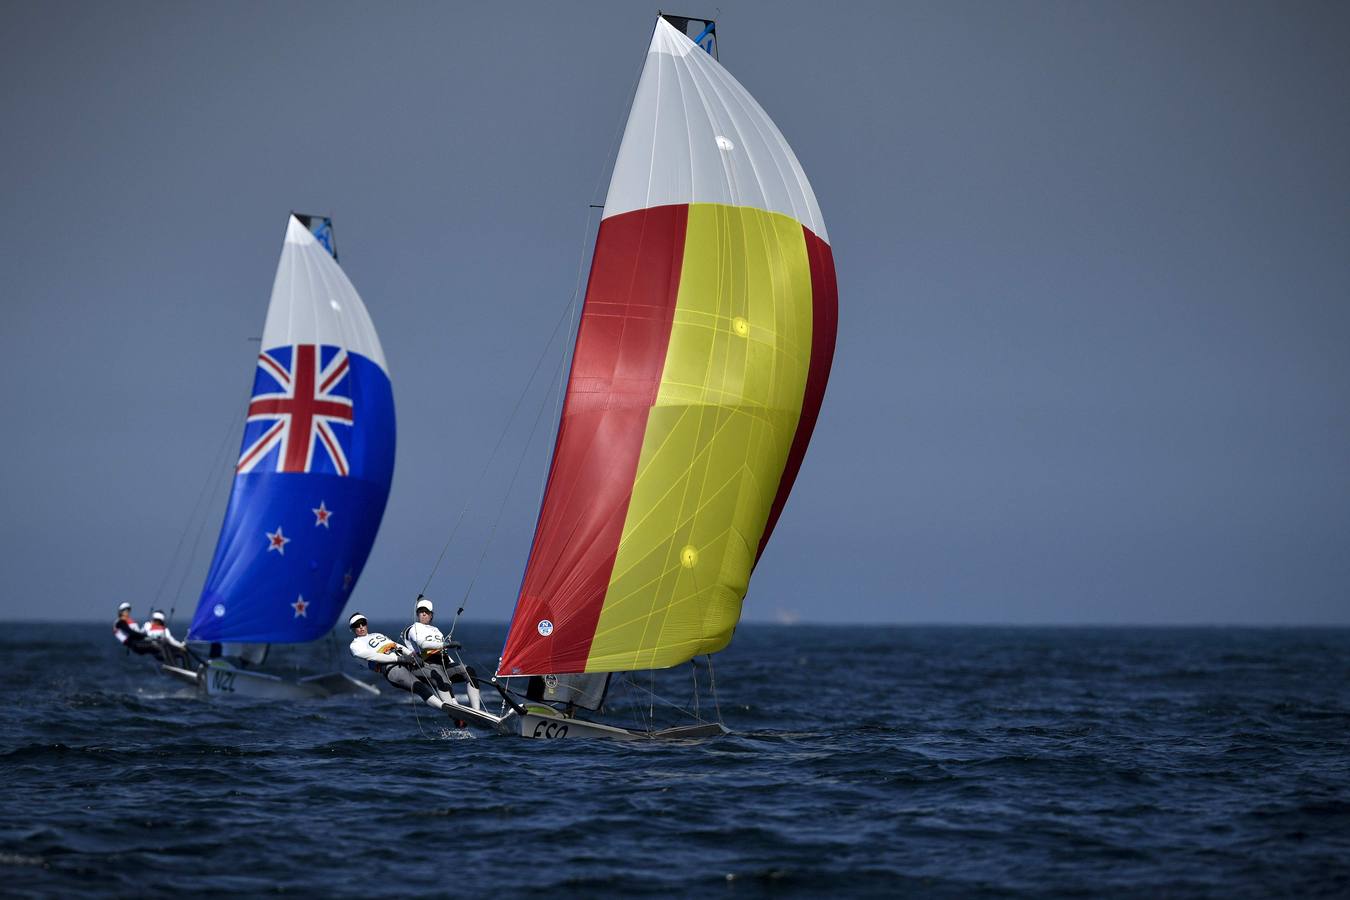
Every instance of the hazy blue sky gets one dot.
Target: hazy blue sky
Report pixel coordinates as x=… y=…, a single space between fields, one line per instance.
x=1094 y=271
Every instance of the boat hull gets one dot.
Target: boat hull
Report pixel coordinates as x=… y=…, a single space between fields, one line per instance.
x=220 y=679
x=537 y=724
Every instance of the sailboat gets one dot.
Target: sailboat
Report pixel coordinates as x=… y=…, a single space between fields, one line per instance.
x=310 y=483
x=701 y=359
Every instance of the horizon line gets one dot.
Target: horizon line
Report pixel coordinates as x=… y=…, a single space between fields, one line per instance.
x=917 y=623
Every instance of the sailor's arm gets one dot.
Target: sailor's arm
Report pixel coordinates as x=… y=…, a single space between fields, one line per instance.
x=376 y=648
x=173 y=641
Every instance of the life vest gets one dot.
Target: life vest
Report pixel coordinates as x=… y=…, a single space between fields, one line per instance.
x=124 y=629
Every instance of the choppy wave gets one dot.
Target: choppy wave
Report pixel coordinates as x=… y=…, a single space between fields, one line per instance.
x=869 y=761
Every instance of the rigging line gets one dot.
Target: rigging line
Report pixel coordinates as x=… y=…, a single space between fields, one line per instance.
x=712 y=682
x=663 y=700
x=196 y=542
x=572 y=330
x=571 y=305
x=618 y=126
x=417 y=701
x=633 y=702
x=492 y=533
x=500 y=439
x=201 y=494
x=693 y=671
x=585 y=233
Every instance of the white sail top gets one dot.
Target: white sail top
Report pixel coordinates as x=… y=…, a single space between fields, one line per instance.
x=313 y=302
x=696 y=136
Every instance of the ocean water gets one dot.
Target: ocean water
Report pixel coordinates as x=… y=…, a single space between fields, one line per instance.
x=863 y=760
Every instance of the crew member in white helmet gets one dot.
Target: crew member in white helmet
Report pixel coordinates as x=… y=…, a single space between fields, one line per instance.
x=129 y=634
x=390 y=658
x=430 y=646
x=169 y=648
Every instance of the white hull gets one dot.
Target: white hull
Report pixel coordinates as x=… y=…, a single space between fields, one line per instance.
x=478 y=718
x=220 y=679
x=546 y=723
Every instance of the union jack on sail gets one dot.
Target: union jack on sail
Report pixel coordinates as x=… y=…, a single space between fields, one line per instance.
x=299 y=397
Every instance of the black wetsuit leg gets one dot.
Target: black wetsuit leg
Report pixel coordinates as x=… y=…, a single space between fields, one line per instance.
x=437 y=678
x=141 y=646
x=401 y=678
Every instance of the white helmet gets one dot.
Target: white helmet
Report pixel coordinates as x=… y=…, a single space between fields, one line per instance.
x=157 y=616
x=356 y=619
x=124 y=607
x=424 y=603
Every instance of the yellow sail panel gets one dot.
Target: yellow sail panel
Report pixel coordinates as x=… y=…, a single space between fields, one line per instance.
x=717 y=440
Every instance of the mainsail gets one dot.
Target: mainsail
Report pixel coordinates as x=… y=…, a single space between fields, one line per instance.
x=701 y=360
x=317 y=459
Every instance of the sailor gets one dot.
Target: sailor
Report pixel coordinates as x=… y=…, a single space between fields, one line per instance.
x=169 y=648
x=131 y=635
x=427 y=643
x=390 y=658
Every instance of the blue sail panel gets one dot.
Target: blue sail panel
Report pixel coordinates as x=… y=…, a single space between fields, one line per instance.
x=310 y=489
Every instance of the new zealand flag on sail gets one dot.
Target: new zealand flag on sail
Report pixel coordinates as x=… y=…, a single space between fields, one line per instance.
x=309 y=491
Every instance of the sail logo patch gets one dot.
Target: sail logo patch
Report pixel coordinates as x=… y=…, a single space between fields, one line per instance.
x=302 y=405
x=545 y=627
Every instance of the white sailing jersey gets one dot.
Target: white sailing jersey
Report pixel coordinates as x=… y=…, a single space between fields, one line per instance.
x=375 y=648
x=158 y=631
x=424 y=640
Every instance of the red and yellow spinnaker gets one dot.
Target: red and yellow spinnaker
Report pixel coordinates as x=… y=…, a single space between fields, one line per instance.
x=704 y=348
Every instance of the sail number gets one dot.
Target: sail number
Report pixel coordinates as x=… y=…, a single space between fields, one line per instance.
x=222 y=680
x=546 y=729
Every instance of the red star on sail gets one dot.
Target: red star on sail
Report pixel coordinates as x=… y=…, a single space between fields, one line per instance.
x=347 y=580
x=321 y=515
x=277 y=541
x=300 y=605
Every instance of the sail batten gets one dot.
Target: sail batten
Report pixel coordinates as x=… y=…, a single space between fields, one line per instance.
x=704 y=346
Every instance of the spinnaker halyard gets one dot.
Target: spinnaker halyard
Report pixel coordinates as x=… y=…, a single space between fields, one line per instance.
x=701 y=359
x=312 y=477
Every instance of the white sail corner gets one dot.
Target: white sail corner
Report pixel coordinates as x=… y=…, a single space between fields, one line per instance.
x=297 y=233
x=668 y=39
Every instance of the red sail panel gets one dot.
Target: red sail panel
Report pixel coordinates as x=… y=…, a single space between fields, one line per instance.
x=824 y=325
x=616 y=373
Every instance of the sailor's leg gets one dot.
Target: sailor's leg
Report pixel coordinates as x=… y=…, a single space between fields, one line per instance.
x=475 y=698
x=140 y=646
x=460 y=672
x=440 y=682
x=400 y=677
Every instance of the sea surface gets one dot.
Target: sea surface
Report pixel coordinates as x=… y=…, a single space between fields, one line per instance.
x=870 y=761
